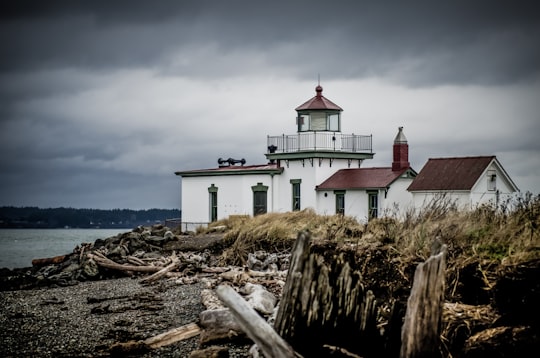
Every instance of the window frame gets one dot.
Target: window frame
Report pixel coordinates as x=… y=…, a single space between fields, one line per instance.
x=213 y=202
x=373 y=210
x=340 y=201
x=296 y=194
x=260 y=191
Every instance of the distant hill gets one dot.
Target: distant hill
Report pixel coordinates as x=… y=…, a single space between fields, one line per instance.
x=34 y=217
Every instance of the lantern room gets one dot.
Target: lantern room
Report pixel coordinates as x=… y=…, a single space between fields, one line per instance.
x=318 y=114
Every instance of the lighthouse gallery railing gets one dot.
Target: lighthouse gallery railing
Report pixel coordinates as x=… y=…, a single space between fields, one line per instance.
x=325 y=141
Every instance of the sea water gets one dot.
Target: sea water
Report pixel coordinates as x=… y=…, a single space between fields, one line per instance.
x=18 y=247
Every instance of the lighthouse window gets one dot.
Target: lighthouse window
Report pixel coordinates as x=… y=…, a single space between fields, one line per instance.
x=318 y=121
x=333 y=122
x=303 y=122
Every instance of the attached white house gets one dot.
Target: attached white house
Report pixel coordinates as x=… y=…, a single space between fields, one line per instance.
x=320 y=167
x=465 y=181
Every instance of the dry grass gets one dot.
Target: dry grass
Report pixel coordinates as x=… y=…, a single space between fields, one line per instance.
x=277 y=231
x=503 y=235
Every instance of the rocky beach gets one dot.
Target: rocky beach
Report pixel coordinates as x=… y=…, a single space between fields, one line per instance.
x=151 y=291
x=70 y=306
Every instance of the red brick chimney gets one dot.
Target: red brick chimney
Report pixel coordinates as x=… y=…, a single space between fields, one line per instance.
x=401 y=152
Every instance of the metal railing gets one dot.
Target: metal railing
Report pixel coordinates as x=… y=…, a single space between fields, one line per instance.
x=308 y=141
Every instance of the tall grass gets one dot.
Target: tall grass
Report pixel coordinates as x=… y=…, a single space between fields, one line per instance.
x=505 y=233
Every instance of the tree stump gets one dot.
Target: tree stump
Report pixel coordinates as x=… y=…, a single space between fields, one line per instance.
x=420 y=334
x=324 y=304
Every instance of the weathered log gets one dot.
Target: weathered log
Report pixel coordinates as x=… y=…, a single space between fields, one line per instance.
x=269 y=342
x=174 y=335
x=324 y=303
x=420 y=334
x=49 y=260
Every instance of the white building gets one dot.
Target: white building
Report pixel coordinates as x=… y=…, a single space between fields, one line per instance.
x=465 y=181
x=319 y=167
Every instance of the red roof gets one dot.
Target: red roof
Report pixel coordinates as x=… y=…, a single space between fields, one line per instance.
x=361 y=178
x=450 y=173
x=319 y=102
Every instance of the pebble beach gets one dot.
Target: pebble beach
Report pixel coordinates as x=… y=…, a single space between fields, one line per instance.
x=86 y=319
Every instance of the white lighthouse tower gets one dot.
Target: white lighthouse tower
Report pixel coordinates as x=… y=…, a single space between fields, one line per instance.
x=315 y=152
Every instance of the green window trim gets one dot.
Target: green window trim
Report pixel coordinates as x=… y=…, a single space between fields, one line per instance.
x=373 y=204
x=296 y=190
x=259 y=187
x=260 y=192
x=340 y=201
x=213 y=198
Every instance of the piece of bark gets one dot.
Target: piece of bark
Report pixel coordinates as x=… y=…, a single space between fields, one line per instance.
x=269 y=342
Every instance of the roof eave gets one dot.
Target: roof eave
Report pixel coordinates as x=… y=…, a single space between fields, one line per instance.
x=208 y=173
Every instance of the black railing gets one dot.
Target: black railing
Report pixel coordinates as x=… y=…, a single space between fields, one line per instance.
x=327 y=141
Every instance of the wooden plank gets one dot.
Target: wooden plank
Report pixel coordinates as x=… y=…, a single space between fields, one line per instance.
x=420 y=334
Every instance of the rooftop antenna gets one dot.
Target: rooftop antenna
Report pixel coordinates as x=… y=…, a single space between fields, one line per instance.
x=318 y=79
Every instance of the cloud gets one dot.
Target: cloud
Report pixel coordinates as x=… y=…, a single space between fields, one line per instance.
x=100 y=102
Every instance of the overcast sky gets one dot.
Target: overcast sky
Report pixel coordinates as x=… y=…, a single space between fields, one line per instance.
x=102 y=101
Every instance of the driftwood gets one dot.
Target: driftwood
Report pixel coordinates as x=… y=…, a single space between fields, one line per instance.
x=269 y=342
x=324 y=303
x=163 y=271
x=49 y=260
x=110 y=264
x=421 y=329
x=174 y=335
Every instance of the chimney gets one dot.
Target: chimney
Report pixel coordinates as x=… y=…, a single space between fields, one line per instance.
x=401 y=152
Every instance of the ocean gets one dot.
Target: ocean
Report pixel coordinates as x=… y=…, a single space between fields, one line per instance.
x=18 y=247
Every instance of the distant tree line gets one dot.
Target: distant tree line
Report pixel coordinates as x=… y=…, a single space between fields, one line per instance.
x=34 y=217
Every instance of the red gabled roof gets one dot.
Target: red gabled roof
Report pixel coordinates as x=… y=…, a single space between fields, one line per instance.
x=361 y=178
x=450 y=173
x=319 y=102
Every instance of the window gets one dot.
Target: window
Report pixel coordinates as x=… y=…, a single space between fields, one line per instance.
x=491 y=180
x=340 y=201
x=296 y=194
x=212 y=191
x=333 y=122
x=303 y=122
x=259 y=198
x=373 y=204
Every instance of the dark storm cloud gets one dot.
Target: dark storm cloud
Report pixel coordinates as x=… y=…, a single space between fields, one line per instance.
x=419 y=43
x=101 y=101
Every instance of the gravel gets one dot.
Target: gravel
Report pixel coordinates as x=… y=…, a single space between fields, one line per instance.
x=86 y=319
